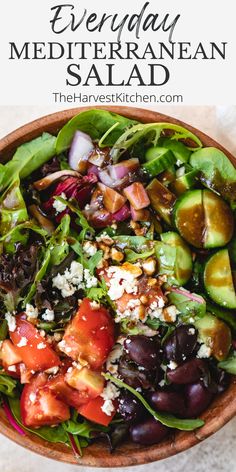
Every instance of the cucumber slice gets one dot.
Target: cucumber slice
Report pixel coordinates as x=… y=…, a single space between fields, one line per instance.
x=215 y=334
x=219 y=220
x=218 y=279
x=183 y=261
x=189 y=217
x=167 y=176
x=166 y=257
x=184 y=183
x=203 y=219
x=180 y=151
x=158 y=160
x=162 y=200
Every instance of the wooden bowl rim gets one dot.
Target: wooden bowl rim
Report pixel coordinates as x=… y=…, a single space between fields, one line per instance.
x=223 y=407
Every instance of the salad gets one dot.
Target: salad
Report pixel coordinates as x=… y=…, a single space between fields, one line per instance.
x=117 y=281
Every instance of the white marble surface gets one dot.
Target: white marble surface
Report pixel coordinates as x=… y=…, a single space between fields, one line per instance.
x=216 y=454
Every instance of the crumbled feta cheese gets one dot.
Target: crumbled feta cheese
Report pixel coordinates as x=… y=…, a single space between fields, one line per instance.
x=191 y=331
x=52 y=370
x=41 y=346
x=123 y=279
x=12 y=368
x=31 y=311
x=59 y=206
x=191 y=320
x=204 y=351
x=90 y=280
x=11 y=321
x=89 y=248
x=170 y=313
x=162 y=383
x=22 y=342
x=32 y=397
x=149 y=266
x=95 y=305
x=48 y=315
x=180 y=172
x=74 y=279
x=172 y=365
x=109 y=394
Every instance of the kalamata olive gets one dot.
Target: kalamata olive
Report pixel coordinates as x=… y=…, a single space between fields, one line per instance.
x=220 y=379
x=197 y=399
x=130 y=408
x=180 y=344
x=171 y=402
x=136 y=377
x=143 y=351
x=149 y=432
x=189 y=372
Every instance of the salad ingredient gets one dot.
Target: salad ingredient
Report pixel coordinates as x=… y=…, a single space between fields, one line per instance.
x=148 y=432
x=158 y=160
x=27 y=159
x=216 y=171
x=85 y=381
x=188 y=372
x=93 y=411
x=39 y=406
x=218 y=279
x=90 y=335
x=95 y=123
x=137 y=196
x=203 y=219
x=10 y=354
x=129 y=408
x=170 y=402
x=48 y=180
x=186 y=182
x=215 y=334
x=35 y=351
x=183 y=258
x=180 y=345
x=142 y=350
x=198 y=398
x=162 y=200
x=180 y=151
x=80 y=150
x=112 y=200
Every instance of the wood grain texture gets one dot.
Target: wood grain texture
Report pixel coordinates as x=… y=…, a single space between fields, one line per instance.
x=220 y=411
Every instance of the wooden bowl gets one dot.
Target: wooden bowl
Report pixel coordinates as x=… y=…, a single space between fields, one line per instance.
x=97 y=455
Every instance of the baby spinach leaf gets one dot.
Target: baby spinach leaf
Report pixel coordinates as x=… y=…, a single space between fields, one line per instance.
x=164 y=418
x=186 y=306
x=7 y=384
x=27 y=158
x=229 y=364
x=95 y=123
x=54 y=435
x=217 y=172
x=133 y=242
x=132 y=256
x=83 y=428
x=150 y=133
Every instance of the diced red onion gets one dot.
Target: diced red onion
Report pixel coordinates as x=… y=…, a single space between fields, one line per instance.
x=121 y=214
x=139 y=215
x=118 y=171
x=11 y=418
x=81 y=148
x=92 y=169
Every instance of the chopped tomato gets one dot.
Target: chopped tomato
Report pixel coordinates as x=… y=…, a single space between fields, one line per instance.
x=64 y=392
x=86 y=380
x=36 y=353
x=39 y=405
x=90 y=335
x=93 y=411
x=10 y=354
